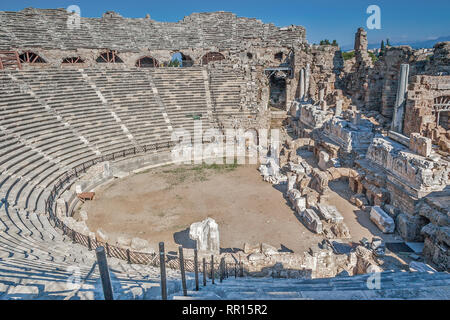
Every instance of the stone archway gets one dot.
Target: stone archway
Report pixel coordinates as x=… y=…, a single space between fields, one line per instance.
x=212 y=57
x=147 y=62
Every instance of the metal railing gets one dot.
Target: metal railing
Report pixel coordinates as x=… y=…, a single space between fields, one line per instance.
x=214 y=269
x=64 y=181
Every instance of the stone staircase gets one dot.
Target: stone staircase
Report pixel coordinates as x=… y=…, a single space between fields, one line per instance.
x=393 y=285
x=38 y=262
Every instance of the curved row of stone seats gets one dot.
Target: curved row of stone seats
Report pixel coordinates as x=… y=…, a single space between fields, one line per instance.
x=183 y=93
x=37 y=262
x=26 y=174
x=23 y=116
x=391 y=285
x=78 y=105
x=25 y=279
x=130 y=95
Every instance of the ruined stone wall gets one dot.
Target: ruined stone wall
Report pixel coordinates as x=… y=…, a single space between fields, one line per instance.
x=374 y=85
x=325 y=64
x=419 y=114
x=48 y=28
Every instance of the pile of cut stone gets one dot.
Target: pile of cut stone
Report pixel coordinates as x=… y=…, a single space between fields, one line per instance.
x=270 y=171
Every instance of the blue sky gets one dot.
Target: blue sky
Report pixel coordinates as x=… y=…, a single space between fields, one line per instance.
x=401 y=20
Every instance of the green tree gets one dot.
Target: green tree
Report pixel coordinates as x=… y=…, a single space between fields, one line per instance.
x=387 y=42
x=334 y=43
x=382 y=48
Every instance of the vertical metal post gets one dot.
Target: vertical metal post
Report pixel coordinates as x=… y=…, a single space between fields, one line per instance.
x=235 y=270
x=204 y=272
x=104 y=273
x=241 y=266
x=212 y=269
x=221 y=270
x=162 y=264
x=183 y=274
x=128 y=256
x=196 y=269
x=107 y=250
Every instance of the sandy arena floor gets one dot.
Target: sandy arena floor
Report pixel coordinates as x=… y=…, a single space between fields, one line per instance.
x=161 y=204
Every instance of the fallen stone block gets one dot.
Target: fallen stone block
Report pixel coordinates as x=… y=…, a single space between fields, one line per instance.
x=329 y=213
x=323 y=213
x=206 y=233
x=300 y=205
x=312 y=221
x=268 y=250
x=382 y=220
x=248 y=248
x=293 y=195
x=420 y=144
x=138 y=244
x=336 y=216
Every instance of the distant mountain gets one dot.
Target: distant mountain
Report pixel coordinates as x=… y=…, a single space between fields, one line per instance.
x=412 y=44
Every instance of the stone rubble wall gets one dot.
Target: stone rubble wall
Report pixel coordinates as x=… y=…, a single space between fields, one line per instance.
x=47 y=28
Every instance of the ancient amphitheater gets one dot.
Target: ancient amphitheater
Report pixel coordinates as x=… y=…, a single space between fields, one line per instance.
x=362 y=167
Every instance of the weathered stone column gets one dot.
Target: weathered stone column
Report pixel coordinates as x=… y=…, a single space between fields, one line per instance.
x=399 y=107
x=307 y=74
x=338 y=110
x=321 y=94
x=302 y=84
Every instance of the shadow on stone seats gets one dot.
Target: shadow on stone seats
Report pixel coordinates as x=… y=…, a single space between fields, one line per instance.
x=181 y=238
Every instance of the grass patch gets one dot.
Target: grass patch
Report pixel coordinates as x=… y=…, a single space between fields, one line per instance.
x=348 y=55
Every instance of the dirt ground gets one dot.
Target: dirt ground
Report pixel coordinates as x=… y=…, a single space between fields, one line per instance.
x=357 y=220
x=161 y=204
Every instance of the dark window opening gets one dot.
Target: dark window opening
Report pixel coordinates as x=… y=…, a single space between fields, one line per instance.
x=249 y=55
x=147 y=62
x=30 y=57
x=277 y=92
x=279 y=56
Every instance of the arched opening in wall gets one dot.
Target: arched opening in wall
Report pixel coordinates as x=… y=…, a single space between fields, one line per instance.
x=72 y=60
x=279 y=56
x=211 y=57
x=147 y=62
x=181 y=60
x=30 y=57
x=109 y=57
x=441 y=108
x=277 y=85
